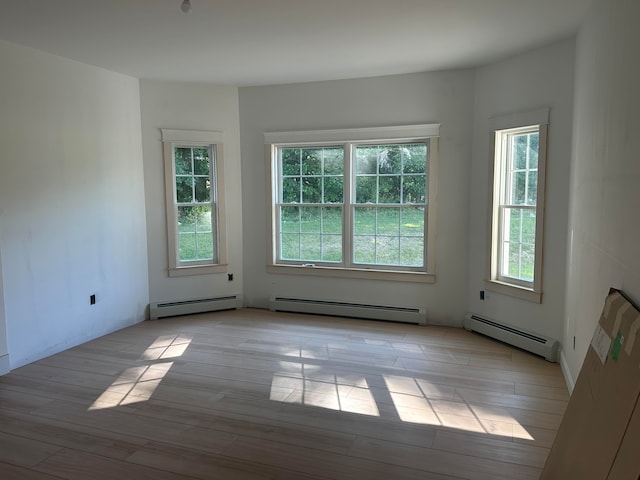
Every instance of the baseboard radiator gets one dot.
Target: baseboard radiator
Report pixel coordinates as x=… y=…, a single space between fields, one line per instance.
x=543 y=346
x=187 y=307
x=391 y=313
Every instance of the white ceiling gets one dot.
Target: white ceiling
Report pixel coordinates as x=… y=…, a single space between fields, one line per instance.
x=258 y=42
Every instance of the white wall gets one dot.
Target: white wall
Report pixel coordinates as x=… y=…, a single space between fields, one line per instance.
x=441 y=97
x=71 y=202
x=187 y=106
x=540 y=78
x=604 y=246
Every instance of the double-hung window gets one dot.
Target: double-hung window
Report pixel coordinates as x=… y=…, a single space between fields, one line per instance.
x=345 y=202
x=194 y=199
x=518 y=208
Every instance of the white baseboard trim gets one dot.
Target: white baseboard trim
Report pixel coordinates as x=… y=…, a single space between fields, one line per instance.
x=4 y=364
x=569 y=380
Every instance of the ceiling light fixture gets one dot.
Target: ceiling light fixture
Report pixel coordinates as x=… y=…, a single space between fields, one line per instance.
x=186 y=6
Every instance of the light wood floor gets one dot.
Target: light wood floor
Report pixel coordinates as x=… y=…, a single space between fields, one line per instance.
x=251 y=394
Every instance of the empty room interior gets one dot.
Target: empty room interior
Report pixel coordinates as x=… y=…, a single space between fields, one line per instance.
x=262 y=239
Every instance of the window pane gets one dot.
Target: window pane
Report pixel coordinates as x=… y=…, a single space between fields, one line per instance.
x=513 y=266
x=332 y=220
x=333 y=161
x=388 y=221
x=311 y=233
x=527 y=262
x=333 y=189
x=312 y=161
x=195 y=239
x=203 y=189
x=201 y=161
x=310 y=247
x=366 y=189
x=529 y=226
x=183 y=160
x=205 y=246
x=364 y=221
x=203 y=219
x=290 y=246
x=377 y=238
x=389 y=236
x=290 y=190
x=290 y=219
x=513 y=227
x=364 y=248
x=187 y=247
x=401 y=174
x=184 y=189
x=413 y=189
x=290 y=161
x=367 y=160
x=534 y=145
x=311 y=190
x=518 y=185
x=310 y=219
x=389 y=189
x=532 y=188
x=415 y=159
x=519 y=230
x=412 y=251
x=519 y=152
x=412 y=221
x=332 y=248
x=186 y=219
x=388 y=250
x=390 y=159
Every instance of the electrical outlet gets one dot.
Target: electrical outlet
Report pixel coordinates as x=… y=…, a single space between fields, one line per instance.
x=481 y=294
x=230 y=277
x=92 y=299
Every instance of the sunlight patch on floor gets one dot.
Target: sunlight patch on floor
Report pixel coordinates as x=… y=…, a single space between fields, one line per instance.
x=419 y=401
x=137 y=384
x=414 y=400
x=134 y=385
x=167 y=346
x=313 y=385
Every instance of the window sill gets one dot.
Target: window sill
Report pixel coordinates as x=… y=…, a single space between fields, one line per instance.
x=516 y=291
x=197 y=270
x=361 y=274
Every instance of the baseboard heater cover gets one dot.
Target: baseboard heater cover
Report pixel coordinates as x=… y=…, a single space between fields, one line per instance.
x=187 y=307
x=532 y=342
x=392 y=313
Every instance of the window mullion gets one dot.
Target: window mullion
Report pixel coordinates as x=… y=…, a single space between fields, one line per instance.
x=348 y=204
x=193 y=177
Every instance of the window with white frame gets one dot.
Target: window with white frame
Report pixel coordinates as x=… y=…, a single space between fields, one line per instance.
x=518 y=208
x=194 y=199
x=354 y=200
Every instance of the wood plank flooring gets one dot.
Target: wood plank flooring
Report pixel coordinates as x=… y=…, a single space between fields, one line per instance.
x=252 y=394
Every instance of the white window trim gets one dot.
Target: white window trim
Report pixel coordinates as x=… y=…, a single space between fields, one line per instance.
x=194 y=138
x=430 y=132
x=493 y=282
